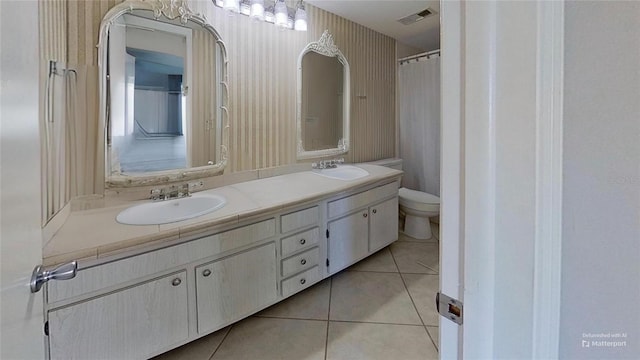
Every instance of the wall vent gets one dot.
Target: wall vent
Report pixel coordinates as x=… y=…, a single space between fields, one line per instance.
x=408 y=20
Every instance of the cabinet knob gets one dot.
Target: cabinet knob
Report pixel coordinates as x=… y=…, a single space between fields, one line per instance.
x=302 y=281
x=303 y=261
x=303 y=241
x=375 y=211
x=206 y=272
x=176 y=282
x=365 y=215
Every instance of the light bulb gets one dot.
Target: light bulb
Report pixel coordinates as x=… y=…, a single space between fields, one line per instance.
x=301 y=19
x=245 y=9
x=269 y=16
x=281 y=14
x=233 y=6
x=257 y=10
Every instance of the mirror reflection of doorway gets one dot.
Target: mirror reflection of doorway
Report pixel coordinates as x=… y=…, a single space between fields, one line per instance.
x=149 y=71
x=158 y=114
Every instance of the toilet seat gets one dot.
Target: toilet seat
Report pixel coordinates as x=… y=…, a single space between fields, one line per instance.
x=418 y=200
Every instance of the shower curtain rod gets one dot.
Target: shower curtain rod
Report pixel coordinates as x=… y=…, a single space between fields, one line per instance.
x=427 y=54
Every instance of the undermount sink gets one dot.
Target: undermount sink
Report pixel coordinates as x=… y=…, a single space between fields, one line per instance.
x=168 y=211
x=342 y=172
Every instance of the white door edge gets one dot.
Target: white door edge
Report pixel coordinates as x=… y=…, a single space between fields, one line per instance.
x=548 y=237
x=468 y=204
x=451 y=168
x=479 y=177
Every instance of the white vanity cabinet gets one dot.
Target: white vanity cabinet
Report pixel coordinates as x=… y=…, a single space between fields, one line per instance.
x=370 y=223
x=141 y=302
x=383 y=224
x=139 y=306
x=131 y=323
x=348 y=240
x=234 y=287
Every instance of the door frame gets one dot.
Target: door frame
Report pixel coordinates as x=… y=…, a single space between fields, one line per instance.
x=468 y=177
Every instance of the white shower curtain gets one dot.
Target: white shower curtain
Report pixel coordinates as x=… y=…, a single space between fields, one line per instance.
x=419 y=95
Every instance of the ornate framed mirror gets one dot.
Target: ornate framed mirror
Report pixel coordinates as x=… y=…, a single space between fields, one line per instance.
x=163 y=94
x=323 y=100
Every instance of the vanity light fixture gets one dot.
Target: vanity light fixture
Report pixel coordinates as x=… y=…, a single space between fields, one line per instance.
x=301 y=18
x=245 y=8
x=232 y=6
x=269 y=16
x=257 y=10
x=281 y=13
x=276 y=13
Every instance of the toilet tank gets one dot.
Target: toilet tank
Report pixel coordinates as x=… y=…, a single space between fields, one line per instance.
x=394 y=163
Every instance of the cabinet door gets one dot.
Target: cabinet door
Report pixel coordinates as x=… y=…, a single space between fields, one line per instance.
x=234 y=287
x=383 y=224
x=130 y=324
x=348 y=240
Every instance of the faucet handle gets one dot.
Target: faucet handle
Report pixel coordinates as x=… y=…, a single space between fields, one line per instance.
x=157 y=194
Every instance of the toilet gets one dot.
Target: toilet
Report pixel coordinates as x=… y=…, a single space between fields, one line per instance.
x=417 y=206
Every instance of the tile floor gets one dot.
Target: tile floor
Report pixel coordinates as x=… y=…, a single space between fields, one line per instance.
x=380 y=308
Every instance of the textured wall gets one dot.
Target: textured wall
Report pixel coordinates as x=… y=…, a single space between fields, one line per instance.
x=262 y=83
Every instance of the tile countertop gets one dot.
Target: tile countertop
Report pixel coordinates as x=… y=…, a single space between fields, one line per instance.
x=90 y=235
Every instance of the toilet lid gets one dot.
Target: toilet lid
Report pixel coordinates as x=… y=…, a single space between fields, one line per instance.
x=418 y=196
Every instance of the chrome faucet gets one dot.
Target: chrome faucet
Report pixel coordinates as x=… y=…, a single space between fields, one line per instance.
x=170 y=192
x=327 y=164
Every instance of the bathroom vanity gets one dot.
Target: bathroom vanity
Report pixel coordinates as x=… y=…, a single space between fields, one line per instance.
x=143 y=290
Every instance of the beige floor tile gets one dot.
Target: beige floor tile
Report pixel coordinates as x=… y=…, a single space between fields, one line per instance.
x=378 y=341
x=371 y=297
x=382 y=261
x=423 y=289
x=200 y=349
x=402 y=237
x=269 y=338
x=434 y=332
x=416 y=258
x=312 y=303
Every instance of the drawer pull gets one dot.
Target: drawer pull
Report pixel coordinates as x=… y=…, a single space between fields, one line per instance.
x=303 y=261
x=365 y=215
x=302 y=281
x=176 y=282
x=375 y=211
x=206 y=272
x=303 y=241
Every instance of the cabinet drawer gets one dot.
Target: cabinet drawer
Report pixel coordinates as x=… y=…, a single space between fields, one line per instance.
x=299 y=219
x=298 y=282
x=300 y=262
x=291 y=244
x=119 y=272
x=353 y=202
x=130 y=324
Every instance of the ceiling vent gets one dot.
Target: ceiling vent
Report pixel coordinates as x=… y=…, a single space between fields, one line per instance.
x=408 y=20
